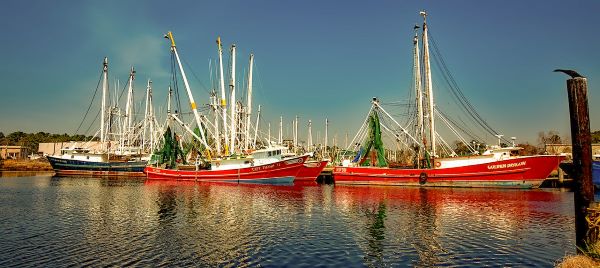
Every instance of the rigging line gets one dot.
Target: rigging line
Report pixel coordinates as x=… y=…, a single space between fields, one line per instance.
x=460 y=101
x=91 y=102
x=175 y=84
x=457 y=88
x=363 y=124
x=196 y=76
x=454 y=131
x=468 y=133
x=445 y=146
x=93 y=122
x=457 y=93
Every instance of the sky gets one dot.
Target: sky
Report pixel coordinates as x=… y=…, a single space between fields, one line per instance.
x=313 y=59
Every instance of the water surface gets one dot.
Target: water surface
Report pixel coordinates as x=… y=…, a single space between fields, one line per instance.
x=56 y=221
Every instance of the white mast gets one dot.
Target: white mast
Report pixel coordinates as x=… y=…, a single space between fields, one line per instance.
x=223 y=96
x=146 y=115
x=188 y=90
x=232 y=101
x=309 y=141
x=249 y=108
x=295 y=130
x=128 y=110
x=428 y=84
x=215 y=107
x=326 y=127
x=169 y=118
x=104 y=95
x=256 y=127
x=151 y=118
x=418 y=92
x=169 y=101
x=280 y=130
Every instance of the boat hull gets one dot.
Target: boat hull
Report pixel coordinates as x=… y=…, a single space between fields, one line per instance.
x=521 y=172
x=311 y=170
x=72 y=167
x=279 y=172
x=596 y=173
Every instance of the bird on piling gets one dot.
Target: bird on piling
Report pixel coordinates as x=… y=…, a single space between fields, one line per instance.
x=571 y=73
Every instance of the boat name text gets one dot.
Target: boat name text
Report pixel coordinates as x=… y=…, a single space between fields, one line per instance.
x=509 y=165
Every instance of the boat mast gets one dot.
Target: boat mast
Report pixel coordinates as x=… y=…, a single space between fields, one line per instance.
x=169 y=104
x=232 y=101
x=295 y=130
x=280 y=138
x=215 y=106
x=325 y=143
x=104 y=94
x=256 y=127
x=419 y=94
x=151 y=119
x=146 y=116
x=309 y=140
x=188 y=90
x=223 y=96
x=128 y=110
x=428 y=84
x=249 y=108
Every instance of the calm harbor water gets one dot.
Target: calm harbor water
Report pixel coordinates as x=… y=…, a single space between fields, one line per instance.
x=56 y=221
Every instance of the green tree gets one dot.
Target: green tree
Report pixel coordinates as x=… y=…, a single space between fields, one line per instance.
x=528 y=149
x=461 y=148
x=595 y=136
x=552 y=137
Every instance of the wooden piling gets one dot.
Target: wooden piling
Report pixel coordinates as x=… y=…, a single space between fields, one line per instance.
x=582 y=156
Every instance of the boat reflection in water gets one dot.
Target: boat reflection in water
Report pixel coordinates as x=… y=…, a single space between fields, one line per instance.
x=122 y=222
x=315 y=224
x=457 y=226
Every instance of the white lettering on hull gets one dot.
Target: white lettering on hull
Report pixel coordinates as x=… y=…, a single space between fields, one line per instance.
x=509 y=165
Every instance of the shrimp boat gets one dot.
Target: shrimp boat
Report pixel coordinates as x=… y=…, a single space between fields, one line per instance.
x=311 y=170
x=252 y=168
x=238 y=160
x=103 y=161
x=496 y=167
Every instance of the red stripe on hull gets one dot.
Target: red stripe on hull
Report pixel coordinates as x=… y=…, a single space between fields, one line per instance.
x=282 y=169
x=311 y=170
x=522 y=172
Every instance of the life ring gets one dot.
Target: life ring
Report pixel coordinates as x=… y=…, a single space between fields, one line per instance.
x=423 y=178
x=438 y=164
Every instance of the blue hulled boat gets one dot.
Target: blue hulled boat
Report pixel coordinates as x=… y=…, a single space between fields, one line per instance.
x=596 y=173
x=81 y=162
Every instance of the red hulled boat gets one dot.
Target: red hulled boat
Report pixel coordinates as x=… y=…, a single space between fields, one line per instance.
x=498 y=166
x=311 y=170
x=519 y=172
x=277 y=172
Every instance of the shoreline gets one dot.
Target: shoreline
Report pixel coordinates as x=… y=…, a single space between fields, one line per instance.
x=25 y=165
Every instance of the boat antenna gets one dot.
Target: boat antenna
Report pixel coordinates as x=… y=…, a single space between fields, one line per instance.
x=499 y=136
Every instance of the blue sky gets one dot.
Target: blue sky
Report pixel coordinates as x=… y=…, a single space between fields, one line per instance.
x=315 y=59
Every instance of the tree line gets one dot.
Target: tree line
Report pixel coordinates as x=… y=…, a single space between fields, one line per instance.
x=550 y=137
x=32 y=140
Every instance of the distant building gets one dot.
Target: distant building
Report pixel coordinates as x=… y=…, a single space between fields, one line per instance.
x=13 y=152
x=53 y=148
x=568 y=149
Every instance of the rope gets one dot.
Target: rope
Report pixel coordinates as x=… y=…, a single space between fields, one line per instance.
x=457 y=93
x=91 y=102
